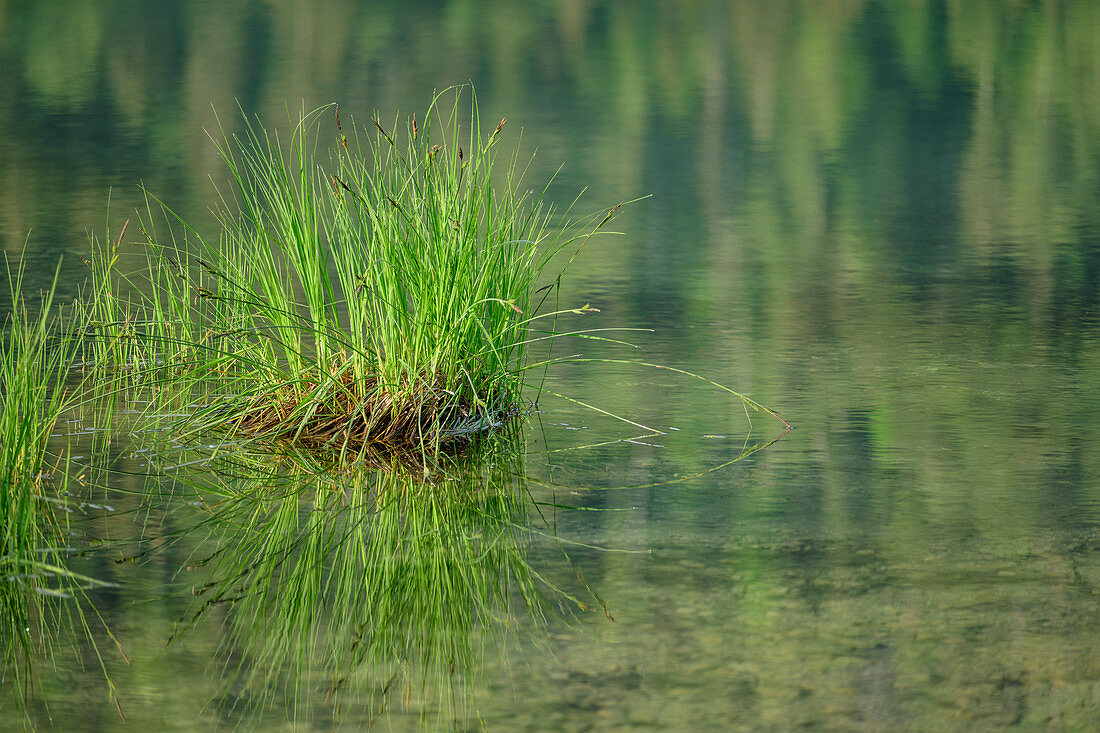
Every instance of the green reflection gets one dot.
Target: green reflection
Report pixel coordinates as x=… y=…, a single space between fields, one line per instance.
x=361 y=589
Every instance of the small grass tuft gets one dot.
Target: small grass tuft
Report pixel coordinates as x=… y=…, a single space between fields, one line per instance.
x=39 y=595
x=382 y=293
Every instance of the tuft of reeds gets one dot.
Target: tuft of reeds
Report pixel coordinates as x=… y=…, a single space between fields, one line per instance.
x=37 y=588
x=33 y=367
x=382 y=294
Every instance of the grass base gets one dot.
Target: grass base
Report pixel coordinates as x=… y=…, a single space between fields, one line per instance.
x=356 y=414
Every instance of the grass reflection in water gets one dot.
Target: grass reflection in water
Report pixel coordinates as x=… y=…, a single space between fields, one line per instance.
x=359 y=585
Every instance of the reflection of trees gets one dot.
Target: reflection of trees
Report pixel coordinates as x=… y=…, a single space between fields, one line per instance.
x=812 y=83
x=800 y=73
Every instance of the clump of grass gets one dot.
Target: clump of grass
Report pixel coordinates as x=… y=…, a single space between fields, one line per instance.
x=383 y=294
x=35 y=582
x=33 y=366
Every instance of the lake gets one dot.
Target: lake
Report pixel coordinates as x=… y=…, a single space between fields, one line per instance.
x=881 y=220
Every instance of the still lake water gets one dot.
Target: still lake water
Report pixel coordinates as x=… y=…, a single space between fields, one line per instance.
x=880 y=219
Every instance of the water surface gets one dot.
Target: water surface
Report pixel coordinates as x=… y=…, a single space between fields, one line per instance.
x=880 y=219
